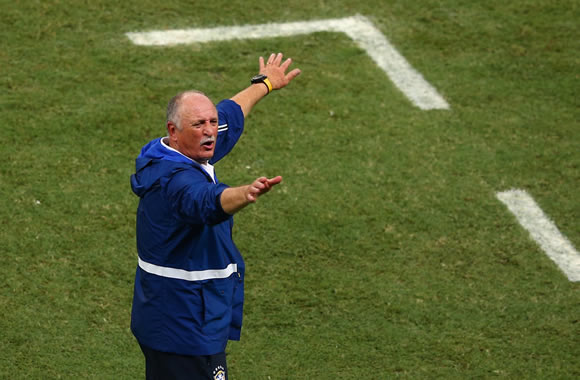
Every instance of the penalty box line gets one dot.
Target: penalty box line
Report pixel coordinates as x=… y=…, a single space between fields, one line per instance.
x=360 y=29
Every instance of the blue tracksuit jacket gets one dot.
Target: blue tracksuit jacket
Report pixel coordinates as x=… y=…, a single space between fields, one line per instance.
x=189 y=293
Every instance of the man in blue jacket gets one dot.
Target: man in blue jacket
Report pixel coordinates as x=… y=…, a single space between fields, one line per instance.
x=189 y=285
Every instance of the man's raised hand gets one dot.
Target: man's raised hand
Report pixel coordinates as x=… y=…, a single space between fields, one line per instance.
x=275 y=70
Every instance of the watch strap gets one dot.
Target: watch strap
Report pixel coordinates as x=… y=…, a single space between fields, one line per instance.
x=261 y=78
x=268 y=84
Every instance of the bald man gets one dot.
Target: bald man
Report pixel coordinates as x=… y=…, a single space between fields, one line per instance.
x=189 y=284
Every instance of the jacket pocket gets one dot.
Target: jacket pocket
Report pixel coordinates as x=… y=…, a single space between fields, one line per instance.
x=217 y=299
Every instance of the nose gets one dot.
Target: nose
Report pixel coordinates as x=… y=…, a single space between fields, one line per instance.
x=208 y=127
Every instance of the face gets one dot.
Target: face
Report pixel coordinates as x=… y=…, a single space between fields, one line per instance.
x=197 y=134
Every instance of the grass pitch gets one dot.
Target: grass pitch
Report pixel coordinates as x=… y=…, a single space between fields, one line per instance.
x=383 y=254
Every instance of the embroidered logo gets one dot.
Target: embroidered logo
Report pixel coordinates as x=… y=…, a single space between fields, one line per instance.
x=219 y=373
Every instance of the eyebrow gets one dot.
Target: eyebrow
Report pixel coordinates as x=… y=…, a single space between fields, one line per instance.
x=211 y=120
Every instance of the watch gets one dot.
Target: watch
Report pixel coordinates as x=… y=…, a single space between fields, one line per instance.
x=261 y=78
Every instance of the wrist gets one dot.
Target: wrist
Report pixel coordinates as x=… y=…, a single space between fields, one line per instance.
x=263 y=79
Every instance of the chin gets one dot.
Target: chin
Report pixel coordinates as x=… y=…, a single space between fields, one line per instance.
x=206 y=158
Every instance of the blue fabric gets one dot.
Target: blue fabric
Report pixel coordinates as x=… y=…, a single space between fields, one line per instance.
x=230 y=114
x=181 y=225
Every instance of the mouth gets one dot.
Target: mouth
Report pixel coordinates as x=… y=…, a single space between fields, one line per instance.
x=208 y=144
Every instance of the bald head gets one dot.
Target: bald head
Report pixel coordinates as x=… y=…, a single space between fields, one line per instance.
x=174 y=105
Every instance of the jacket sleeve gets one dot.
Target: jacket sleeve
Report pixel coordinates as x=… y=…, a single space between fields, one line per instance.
x=231 y=126
x=194 y=199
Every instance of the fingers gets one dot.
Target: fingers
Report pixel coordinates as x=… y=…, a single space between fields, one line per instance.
x=271 y=60
x=286 y=64
x=251 y=197
x=256 y=189
x=269 y=183
x=261 y=186
x=274 y=181
x=293 y=74
x=276 y=60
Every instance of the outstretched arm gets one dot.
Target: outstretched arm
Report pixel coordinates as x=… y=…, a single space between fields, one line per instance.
x=275 y=70
x=234 y=199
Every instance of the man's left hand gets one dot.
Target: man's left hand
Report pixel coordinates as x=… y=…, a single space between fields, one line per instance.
x=275 y=70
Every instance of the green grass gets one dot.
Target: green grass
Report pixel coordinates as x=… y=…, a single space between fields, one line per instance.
x=384 y=253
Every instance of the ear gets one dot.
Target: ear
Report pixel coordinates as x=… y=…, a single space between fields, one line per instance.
x=171 y=130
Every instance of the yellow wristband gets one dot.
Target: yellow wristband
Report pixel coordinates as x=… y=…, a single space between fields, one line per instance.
x=269 y=84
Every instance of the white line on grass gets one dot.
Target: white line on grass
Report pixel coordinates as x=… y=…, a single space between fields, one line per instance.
x=358 y=27
x=543 y=231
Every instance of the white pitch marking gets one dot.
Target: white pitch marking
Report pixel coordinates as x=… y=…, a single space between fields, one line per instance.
x=358 y=27
x=543 y=231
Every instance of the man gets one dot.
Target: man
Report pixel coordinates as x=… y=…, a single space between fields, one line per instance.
x=188 y=294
